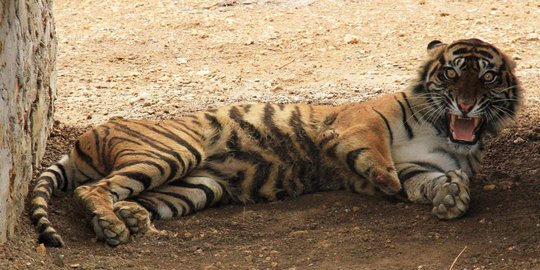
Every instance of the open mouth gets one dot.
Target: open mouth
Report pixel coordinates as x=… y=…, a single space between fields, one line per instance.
x=464 y=130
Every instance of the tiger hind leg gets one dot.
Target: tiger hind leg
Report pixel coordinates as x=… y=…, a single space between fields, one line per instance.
x=180 y=197
x=99 y=198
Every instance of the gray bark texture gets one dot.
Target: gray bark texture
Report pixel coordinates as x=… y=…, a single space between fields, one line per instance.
x=27 y=90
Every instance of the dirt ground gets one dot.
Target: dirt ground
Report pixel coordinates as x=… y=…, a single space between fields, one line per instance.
x=161 y=59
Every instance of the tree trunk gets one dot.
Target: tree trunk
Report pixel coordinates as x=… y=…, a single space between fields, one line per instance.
x=27 y=90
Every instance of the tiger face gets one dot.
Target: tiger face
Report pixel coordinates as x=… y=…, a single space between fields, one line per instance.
x=470 y=87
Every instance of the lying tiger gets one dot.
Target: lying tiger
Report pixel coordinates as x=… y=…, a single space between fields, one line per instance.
x=423 y=144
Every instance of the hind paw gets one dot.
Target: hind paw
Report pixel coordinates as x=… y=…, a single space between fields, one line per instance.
x=135 y=217
x=452 y=197
x=110 y=229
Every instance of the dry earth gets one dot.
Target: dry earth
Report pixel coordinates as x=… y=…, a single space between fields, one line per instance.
x=161 y=59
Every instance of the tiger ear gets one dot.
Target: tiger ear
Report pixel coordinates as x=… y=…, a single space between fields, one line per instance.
x=434 y=46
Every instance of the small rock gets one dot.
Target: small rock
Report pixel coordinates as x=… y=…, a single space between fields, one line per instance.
x=203 y=72
x=350 y=39
x=489 y=187
x=506 y=184
x=75 y=265
x=519 y=140
x=182 y=60
x=41 y=250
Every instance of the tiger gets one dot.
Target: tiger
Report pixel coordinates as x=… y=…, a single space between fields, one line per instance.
x=422 y=145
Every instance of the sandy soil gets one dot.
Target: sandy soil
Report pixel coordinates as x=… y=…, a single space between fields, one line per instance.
x=161 y=59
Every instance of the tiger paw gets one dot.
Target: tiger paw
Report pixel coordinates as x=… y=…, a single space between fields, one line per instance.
x=452 y=197
x=110 y=228
x=135 y=217
x=386 y=180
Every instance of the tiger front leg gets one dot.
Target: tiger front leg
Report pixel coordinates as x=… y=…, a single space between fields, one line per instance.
x=448 y=191
x=367 y=155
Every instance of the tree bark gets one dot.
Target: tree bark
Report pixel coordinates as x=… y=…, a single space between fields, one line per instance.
x=27 y=90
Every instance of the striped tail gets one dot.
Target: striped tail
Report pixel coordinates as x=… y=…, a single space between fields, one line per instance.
x=57 y=177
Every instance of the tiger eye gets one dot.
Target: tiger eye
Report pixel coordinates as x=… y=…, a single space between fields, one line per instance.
x=488 y=76
x=450 y=74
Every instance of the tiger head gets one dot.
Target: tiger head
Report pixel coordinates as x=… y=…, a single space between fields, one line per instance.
x=470 y=89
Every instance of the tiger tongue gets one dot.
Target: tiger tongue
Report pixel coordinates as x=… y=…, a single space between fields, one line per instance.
x=463 y=129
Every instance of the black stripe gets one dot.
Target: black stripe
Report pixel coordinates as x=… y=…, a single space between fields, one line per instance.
x=351 y=159
x=179 y=197
x=387 y=126
x=330 y=119
x=409 y=106
x=207 y=191
x=485 y=54
x=461 y=51
x=105 y=154
x=233 y=143
x=171 y=206
x=57 y=176
x=64 y=185
x=246 y=108
x=43 y=226
x=172 y=165
x=331 y=151
x=36 y=217
x=410 y=134
x=132 y=152
x=183 y=127
x=98 y=149
x=216 y=125
x=49 y=185
x=281 y=192
x=114 y=141
x=142 y=178
x=86 y=158
x=149 y=206
x=326 y=139
x=280 y=142
x=466 y=43
x=247 y=127
x=424 y=76
x=309 y=173
x=169 y=134
x=410 y=174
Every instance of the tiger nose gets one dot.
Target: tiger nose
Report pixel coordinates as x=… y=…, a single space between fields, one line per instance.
x=465 y=105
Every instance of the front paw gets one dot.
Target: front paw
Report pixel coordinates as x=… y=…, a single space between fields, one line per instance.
x=452 y=197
